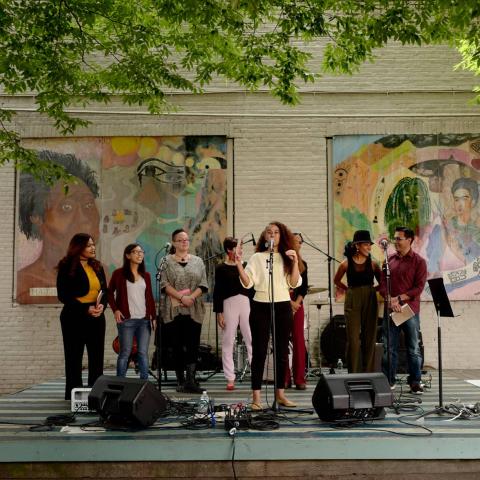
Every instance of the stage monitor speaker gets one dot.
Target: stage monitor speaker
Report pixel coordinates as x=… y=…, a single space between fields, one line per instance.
x=126 y=401
x=352 y=396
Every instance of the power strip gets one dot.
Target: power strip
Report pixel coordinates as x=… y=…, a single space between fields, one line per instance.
x=79 y=402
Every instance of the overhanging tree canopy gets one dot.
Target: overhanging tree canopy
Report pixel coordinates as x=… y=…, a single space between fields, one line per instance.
x=75 y=52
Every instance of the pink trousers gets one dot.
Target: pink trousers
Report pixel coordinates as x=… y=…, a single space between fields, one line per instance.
x=236 y=312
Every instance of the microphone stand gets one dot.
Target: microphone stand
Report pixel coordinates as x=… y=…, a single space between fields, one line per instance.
x=158 y=336
x=272 y=328
x=329 y=259
x=386 y=313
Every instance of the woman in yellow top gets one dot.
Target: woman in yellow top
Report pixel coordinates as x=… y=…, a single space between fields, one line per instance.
x=82 y=288
x=287 y=267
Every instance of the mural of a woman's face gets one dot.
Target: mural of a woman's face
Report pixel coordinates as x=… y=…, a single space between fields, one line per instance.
x=67 y=214
x=463 y=203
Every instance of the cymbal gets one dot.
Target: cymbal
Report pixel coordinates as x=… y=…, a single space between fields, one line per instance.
x=312 y=290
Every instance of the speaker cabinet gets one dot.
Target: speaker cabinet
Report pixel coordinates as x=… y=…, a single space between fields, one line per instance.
x=127 y=401
x=354 y=396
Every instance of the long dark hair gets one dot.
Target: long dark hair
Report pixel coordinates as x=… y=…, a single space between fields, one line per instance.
x=287 y=242
x=77 y=245
x=126 y=267
x=174 y=234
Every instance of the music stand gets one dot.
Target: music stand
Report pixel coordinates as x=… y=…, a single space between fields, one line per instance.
x=443 y=309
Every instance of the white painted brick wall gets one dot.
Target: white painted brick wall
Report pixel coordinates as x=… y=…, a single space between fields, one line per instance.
x=280 y=173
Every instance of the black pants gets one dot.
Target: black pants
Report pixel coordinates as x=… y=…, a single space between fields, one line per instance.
x=260 y=328
x=183 y=336
x=80 y=330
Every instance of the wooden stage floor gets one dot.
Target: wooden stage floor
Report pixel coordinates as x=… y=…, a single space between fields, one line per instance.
x=407 y=437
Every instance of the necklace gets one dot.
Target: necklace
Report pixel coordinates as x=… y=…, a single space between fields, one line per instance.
x=181 y=259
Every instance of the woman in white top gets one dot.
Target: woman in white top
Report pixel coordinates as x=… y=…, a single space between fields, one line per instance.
x=286 y=275
x=131 y=299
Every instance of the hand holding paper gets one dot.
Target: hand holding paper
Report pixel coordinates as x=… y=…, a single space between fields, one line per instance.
x=400 y=317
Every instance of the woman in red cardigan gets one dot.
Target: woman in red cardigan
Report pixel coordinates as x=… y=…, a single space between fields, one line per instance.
x=131 y=299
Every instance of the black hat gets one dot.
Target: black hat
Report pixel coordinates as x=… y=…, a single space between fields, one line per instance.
x=362 y=236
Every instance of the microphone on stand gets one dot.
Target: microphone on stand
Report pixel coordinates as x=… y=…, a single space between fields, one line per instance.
x=384 y=243
x=167 y=246
x=269 y=245
x=253 y=240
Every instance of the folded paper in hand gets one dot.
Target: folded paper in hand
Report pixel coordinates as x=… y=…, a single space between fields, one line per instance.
x=99 y=297
x=400 y=317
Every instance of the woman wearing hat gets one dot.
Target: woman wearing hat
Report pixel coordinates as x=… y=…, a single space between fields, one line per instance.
x=360 y=301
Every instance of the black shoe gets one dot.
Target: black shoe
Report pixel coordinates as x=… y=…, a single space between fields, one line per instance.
x=416 y=388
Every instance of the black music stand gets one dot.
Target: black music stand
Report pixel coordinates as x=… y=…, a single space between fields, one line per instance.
x=443 y=309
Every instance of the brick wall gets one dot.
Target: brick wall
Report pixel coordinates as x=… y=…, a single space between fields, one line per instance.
x=280 y=172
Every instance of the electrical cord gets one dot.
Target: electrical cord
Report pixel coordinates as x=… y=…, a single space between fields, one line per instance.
x=233 y=433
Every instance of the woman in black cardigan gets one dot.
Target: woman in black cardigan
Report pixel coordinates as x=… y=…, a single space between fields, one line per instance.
x=82 y=287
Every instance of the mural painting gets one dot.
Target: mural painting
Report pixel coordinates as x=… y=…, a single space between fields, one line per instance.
x=429 y=183
x=127 y=189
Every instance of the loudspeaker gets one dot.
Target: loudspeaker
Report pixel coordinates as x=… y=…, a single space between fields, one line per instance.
x=333 y=340
x=354 y=396
x=128 y=401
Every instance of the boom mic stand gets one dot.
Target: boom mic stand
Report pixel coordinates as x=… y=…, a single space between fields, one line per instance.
x=329 y=260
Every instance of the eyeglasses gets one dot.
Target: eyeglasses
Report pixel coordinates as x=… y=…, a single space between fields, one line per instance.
x=397 y=239
x=138 y=252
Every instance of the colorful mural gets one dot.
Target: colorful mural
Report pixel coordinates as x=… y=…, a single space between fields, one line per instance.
x=426 y=182
x=128 y=189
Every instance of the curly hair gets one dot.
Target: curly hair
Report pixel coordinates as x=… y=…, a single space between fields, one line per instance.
x=287 y=242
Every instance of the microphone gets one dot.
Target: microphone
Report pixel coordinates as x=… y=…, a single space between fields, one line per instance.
x=384 y=243
x=253 y=240
x=269 y=245
x=167 y=246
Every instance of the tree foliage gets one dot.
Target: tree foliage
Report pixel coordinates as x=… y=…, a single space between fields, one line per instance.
x=71 y=53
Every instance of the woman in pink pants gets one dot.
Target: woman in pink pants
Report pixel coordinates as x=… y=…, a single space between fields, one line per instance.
x=231 y=303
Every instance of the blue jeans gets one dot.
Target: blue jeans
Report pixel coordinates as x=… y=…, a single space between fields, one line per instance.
x=140 y=328
x=411 y=331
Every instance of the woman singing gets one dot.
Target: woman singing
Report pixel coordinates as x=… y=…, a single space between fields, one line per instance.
x=130 y=297
x=184 y=281
x=80 y=280
x=360 y=302
x=286 y=275
x=232 y=305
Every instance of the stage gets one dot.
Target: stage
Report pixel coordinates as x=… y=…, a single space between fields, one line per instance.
x=404 y=443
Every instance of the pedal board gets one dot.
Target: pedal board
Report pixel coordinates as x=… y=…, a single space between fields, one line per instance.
x=238 y=418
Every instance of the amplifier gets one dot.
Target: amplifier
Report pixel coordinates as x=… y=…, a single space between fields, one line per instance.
x=80 y=400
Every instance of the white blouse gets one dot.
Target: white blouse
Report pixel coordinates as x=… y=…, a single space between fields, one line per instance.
x=258 y=273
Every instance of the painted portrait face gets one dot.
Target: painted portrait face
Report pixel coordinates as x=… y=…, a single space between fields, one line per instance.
x=463 y=202
x=65 y=215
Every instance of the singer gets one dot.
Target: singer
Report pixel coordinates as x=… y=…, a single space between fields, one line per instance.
x=360 y=307
x=408 y=272
x=287 y=266
x=131 y=299
x=184 y=281
x=232 y=306
x=80 y=280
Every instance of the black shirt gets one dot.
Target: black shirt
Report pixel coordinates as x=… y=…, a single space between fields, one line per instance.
x=227 y=284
